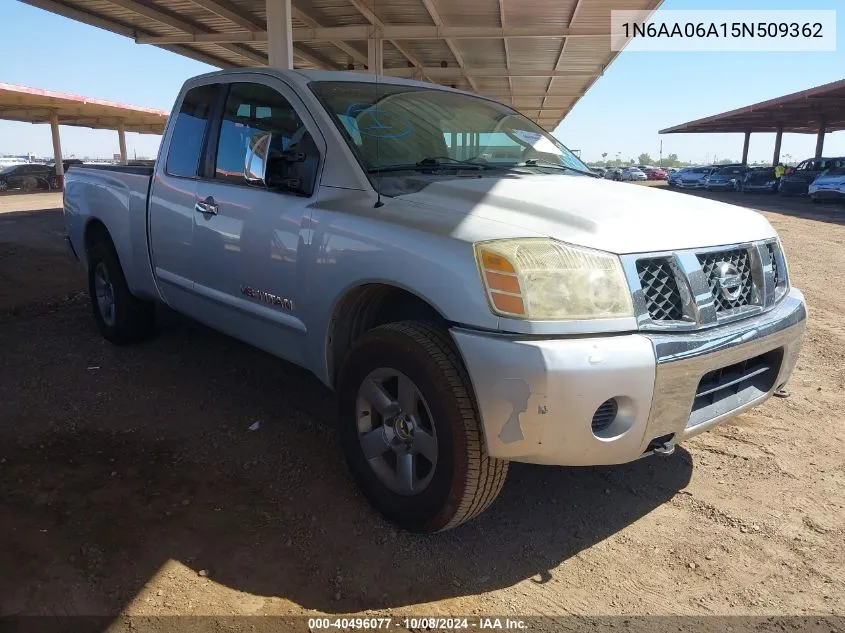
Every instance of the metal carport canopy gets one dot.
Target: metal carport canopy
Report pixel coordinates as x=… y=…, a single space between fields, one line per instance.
x=815 y=111
x=540 y=56
x=33 y=105
x=802 y=112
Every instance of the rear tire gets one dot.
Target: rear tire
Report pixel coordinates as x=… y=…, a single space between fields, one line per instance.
x=453 y=478
x=121 y=317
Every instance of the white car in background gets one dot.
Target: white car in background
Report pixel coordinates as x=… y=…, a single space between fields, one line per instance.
x=830 y=185
x=633 y=173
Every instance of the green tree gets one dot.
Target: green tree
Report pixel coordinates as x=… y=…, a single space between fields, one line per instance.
x=604 y=156
x=645 y=159
x=672 y=161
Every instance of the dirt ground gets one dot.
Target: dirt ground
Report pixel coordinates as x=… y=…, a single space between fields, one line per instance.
x=130 y=481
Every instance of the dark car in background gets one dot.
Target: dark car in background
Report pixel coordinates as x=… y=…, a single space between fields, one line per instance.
x=28 y=177
x=724 y=178
x=67 y=163
x=614 y=173
x=797 y=181
x=759 y=179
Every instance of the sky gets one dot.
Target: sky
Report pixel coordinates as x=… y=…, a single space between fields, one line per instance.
x=641 y=92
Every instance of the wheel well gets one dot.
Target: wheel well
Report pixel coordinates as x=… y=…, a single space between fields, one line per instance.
x=96 y=231
x=367 y=307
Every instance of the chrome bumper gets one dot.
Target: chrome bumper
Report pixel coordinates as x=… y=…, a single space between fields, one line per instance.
x=537 y=398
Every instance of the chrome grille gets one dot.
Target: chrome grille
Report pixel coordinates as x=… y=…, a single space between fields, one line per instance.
x=697 y=288
x=740 y=259
x=773 y=258
x=660 y=288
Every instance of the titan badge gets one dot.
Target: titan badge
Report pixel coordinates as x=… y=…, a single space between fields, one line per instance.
x=266 y=297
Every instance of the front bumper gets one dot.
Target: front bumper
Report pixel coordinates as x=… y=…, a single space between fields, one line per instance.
x=537 y=398
x=827 y=194
x=719 y=185
x=793 y=186
x=760 y=186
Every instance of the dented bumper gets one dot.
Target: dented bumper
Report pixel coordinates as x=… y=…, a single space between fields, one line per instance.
x=537 y=398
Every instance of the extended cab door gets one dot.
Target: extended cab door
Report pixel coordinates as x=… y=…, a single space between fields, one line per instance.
x=173 y=195
x=249 y=239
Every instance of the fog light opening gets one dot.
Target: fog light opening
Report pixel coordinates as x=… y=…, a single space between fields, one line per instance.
x=613 y=418
x=605 y=415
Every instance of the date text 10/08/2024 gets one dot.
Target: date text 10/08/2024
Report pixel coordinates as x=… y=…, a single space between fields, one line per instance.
x=415 y=623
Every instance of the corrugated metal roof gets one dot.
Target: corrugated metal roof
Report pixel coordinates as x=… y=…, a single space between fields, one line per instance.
x=539 y=55
x=33 y=105
x=805 y=112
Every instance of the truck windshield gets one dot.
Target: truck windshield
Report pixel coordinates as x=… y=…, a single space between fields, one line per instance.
x=393 y=128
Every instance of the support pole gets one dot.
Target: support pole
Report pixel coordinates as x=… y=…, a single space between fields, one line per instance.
x=57 y=151
x=820 y=140
x=279 y=34
x=745 y=148
x=121 y=139
x=778 y=139
x=375 y=55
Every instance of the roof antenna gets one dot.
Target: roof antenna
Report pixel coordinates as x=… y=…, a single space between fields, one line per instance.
x=376 y=56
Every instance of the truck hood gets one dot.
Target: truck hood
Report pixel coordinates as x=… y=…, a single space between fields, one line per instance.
x=615 y=217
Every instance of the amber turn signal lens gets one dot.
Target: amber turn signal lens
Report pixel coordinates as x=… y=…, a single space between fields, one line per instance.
x=508 y=303
x=506 y=283
x=491 y=261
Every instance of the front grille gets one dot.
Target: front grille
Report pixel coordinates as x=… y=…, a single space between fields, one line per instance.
x=739 y=258
x=660 y=289
x=722 y=390
x=771 y=248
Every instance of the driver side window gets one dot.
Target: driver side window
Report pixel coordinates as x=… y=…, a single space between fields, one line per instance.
x=252 y=110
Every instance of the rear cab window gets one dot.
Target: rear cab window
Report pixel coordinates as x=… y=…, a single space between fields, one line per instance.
x=189 y=131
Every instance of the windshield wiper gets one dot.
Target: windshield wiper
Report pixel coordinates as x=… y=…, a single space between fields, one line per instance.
x=433 y=162
x=539 y=162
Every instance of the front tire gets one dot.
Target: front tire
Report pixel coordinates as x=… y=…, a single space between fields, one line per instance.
x=411 y=431
x=121 y=317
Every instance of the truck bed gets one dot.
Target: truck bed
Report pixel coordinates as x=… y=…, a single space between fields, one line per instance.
x=115 y=195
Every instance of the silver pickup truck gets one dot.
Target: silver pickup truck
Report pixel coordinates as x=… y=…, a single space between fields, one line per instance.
x=470 y=290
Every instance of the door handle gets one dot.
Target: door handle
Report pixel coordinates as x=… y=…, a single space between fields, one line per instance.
x=207 y=206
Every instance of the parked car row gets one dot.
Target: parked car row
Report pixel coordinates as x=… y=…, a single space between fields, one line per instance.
x=631 y=174
x=821 y=178
x=634 y=172
x=798 y=180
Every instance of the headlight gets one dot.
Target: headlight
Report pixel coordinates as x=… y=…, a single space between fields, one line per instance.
x=543 y=279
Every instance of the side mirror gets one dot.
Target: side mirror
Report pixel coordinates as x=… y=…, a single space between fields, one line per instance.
x=295 y=169
x=255 y=163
